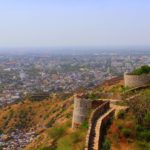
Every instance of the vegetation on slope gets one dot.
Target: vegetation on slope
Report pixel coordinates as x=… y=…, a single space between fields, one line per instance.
x=132 y=129
x=35 y=114
x=51 y=119
x=142 y=70
x=60 y=137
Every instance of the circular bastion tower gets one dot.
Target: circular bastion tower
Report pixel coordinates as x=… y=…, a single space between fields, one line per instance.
x=134 y=81
x=81 y=110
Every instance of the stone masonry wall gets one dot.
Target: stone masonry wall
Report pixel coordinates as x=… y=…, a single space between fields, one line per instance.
x=92 y=123
x=104 y=126
x=136 y=80
x=81 y=111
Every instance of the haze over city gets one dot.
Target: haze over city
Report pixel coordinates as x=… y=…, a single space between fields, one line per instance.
x=68 y=23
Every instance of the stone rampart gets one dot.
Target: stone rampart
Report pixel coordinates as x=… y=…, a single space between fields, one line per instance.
x=136 y=80
x=105 y=122
x=81 y=110
x=92 y=123
x=96 y=103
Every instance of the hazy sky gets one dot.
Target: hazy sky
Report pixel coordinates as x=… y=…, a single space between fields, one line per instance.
x=27 y=23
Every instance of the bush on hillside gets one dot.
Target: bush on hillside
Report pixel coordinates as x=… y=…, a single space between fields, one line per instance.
x=1 y=131
x=72 y=141
x=85 y=125
x=140 y=107
x=144 y=135
x=47 y=148
x=126 y=132
x=49 y=124
x=56 y=132
x=121 y=114
x=147 y=120
x=93 y=95
x=106 y=145
x=141 y=145
x=143 y=70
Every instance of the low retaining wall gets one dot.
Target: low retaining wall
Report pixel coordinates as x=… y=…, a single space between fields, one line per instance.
x=136 y=80
x=92 y=123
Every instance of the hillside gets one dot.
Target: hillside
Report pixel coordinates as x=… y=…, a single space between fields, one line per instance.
x=37 y=116
x=131 y=129
x=51 y=120
x=34 y=114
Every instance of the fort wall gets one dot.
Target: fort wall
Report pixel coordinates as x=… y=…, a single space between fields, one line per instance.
x=82 y=108
x=136 y=80
x=105 y=122
x=99 y=111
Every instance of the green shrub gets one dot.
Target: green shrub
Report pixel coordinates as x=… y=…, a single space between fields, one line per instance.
x=75 y=137
x=24 y=119
x=142 y=145
x=121 y=114
x=92 y=96
x=106 y=145
x=126 y=132
x=65 y=143
x=47 y=148
x=56 y=132
x=139 y=128
x=147 y=119
x=144 y=135
x=1 y=131
x=143 y=70
x=68 y=115
x=72 y=141
x=85 y=125
x=8 y=118
x=119 y=127
x=49 y=124
x=140 y=107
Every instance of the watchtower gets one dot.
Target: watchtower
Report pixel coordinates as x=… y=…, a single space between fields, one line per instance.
x=82 y=107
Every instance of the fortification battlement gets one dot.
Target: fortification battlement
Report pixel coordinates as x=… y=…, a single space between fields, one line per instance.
x=82 y=107
x=134 y=81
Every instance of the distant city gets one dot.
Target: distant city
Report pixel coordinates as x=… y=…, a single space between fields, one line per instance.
x=22 y=74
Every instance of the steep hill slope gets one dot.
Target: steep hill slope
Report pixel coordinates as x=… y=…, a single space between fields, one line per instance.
x=51 y=120
x=34 y=114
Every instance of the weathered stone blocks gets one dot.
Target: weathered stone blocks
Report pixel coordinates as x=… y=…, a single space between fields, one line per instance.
x=81 y=110
x=133 y=81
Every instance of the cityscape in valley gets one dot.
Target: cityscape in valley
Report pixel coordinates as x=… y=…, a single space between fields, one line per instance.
x=24 y=75
x=21 y=75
